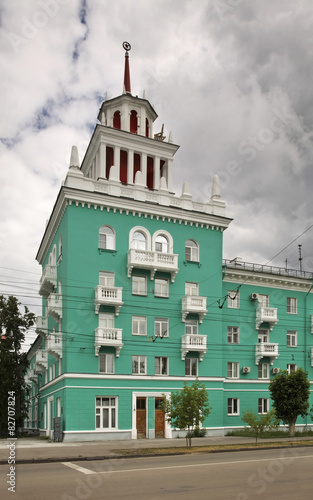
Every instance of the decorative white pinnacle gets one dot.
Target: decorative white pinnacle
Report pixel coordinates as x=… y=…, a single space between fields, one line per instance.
x=74 y=161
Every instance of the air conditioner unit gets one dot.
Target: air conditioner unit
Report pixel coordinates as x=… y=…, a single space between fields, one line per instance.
x=246 y=369
x=254 y=296
x=276 y=370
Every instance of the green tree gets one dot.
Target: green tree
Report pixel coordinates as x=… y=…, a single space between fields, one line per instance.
x=260 y=423
x=187 y=408
x=290 y=393
x=13 y=362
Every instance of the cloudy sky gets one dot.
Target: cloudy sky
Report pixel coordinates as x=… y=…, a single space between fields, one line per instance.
x=232 y=80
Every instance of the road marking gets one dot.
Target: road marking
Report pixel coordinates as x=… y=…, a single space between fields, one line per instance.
x=292 y=457
x=78 y=468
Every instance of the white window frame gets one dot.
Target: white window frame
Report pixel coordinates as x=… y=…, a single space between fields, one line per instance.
x=233 y=406
x=161 y=365
x=263 y=406
x=232 y=370
x=292 y=338
x=106 y=278
x=161 y=243
x=263 y=336
x=192 y=251
x=161 y=327
x=141 y=362
x=139 y=240
x=233 y=334
x=191 y=327
x=106 y=238
x=191 y=365
x=191 y=289
x=161 y=287
x=112 y=409
x=264 y=300
x=137 y=282
x=139 y=324
x=292 y=305
x=263 y=371
x=106 y=320
x=291 y=367
x=233 y=299
x=106 y=361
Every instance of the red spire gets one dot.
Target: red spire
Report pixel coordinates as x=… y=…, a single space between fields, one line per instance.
x=127 y=89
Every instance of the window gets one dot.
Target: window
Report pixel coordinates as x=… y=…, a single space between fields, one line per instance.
x=263 y=370
x=139 y=241
x=106 y=279
x=263 y=405
x=291 y=305
x=161 y=365
x=232 y=335
x=106 y=321
x=139 y=365
x=161 y=327
x=263 y=300
x=233 y=406
x=106 y=363
x=161 y=288
x=192 y=288
x=106 y=238
x=106 y=413
x=291 y=368
x=291 y=338
x=191 y=367
x=139 y=285
x=233 y=299
x=191 y=327
x=60 y=249
x=139 y=325
x=263 y=336
x=192 y=251
x=233 y=370
x=161 y=244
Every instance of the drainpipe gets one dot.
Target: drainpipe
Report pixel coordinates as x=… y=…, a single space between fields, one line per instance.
x=305 y=338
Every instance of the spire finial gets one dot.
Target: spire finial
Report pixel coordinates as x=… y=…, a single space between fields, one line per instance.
x=126 y=89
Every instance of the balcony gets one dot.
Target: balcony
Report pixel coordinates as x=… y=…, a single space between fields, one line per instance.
x=192 y=343
x=108 y=337
x=55 y=306
x=265 y=349
x=266 y=315
x=48 y=280
x=41 y=361
x=42 y=326
x=32 y=375
x=153 y=261
x=54 y=344
x=108 y=296
x=193 y=304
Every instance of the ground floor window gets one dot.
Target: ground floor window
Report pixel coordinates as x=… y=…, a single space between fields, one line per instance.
x=106 y=413
x=106 y=363
x=161 y=366
x=139 y=364
x=233 y=406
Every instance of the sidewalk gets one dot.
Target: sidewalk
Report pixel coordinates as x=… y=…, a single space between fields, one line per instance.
x=29 y=450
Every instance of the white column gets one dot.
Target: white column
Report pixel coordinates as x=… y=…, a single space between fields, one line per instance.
x=117 y=157
x=101 y=161
x=130 y=166
x=143 y=167
x=169 y=175
x=156 y=172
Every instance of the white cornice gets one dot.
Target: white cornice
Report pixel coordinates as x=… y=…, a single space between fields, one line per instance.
x=259 y=278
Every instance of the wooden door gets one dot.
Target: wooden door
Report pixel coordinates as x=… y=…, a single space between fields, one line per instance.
x=159 y=419
x=141 y=418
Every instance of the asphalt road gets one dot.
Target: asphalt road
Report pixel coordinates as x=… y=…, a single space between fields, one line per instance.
x=271 y=474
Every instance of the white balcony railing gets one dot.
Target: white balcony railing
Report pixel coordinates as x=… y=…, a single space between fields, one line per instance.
x=54 y=344
x=32 y=375
x=194 y=342
x=48 y=280
x=55 y=306
x=193 y=304
x=42 y=326
x=153 y=261
x=265 y=349
x=266 y=315
x=41 y=360
x=108 y=337
x=108 y=296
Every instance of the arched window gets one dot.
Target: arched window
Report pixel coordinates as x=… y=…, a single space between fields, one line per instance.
x=192 y=251
x=161 y=244
x=117 y=120
x=139 y=241
x=106 y=238
x=133 y=121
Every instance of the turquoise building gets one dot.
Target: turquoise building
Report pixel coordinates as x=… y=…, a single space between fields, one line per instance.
x=137 y=299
